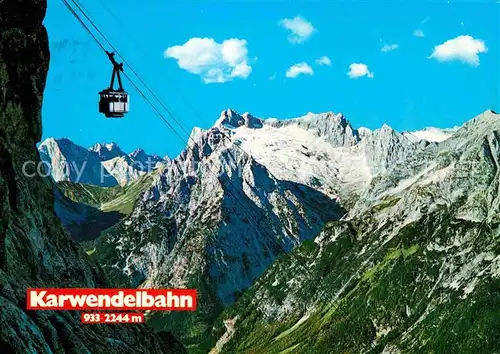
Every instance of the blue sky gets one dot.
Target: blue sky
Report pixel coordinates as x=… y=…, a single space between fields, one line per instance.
x=440 y=65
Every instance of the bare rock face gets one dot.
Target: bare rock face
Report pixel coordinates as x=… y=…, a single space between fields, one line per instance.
x=385 y=147
x=67 y=161
x=34 y=249
x=107 y=151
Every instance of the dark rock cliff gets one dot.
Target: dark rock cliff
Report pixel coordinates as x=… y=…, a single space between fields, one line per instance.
x=34 y=249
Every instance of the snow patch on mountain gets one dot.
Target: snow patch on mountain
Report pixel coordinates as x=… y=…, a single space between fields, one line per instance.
x=430 y=134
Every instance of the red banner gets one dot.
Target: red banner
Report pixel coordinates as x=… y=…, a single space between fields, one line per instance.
x=111 y=299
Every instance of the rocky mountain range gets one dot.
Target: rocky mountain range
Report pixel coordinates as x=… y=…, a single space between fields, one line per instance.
x=104 y=165
x=413 y=267
x=225 y=213
x=214 y=219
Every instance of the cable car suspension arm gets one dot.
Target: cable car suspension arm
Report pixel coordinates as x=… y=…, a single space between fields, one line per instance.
x=117 y=67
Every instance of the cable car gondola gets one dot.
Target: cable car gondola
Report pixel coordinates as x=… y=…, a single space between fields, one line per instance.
x=114 y=103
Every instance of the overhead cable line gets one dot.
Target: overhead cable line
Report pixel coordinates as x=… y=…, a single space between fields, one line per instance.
x=146 y=55
x=92 y=22
x=80 y=20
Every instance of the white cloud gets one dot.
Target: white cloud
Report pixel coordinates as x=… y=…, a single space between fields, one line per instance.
x=299 y=69
x=300 y=29
x=214 y=62
x=418 y=33
x=389 y=47
x=358 y=70
x=324 y=60
x=462 y=48
x=272 y=77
